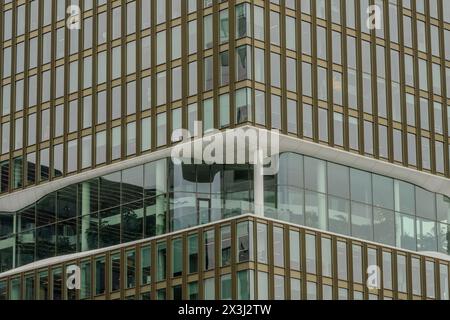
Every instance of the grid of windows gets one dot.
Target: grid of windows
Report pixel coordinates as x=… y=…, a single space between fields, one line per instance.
x=158 y=268
x=382 y=93
x=328 y=196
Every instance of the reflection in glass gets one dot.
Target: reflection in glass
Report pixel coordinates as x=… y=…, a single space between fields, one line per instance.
x=225 y=245
x=401 y=273
x=146 y=265
x=357 y=263
x=384 y=226
x=338 y=215
x=245 y=285
x=405 y=231
x=177 y=257
x=294 y=249
x=362 y=226
x=310 y=253
x=416 y=276
x=209 y=260
x=161 y=254
x=326 y=257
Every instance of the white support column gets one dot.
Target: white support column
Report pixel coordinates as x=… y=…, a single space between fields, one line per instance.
x=14 y=241
x=85 y=214
x=258 y=183
x=161 y=209
x=322 y=201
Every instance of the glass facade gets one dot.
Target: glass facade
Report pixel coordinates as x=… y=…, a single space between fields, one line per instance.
x=131 y=204
x=160 y=197
x=336 y=275
x=74 y=100
x=387 y=96
x=341 y=199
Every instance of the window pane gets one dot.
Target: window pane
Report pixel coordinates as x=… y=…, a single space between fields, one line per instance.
x=278 y=247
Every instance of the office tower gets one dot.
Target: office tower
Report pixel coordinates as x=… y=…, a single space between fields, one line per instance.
x=94 y=94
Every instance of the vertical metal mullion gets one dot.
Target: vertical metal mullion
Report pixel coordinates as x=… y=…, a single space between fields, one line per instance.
x=299 y=58
x=430 y=90
x=314 y=70
x=12 y=122
x=268 y=65
x=270 y=256
x=26 y=38
x=443 y=80
x=200 y=60
x=153 y=266
x=402 y=85
x=388 y=86
x=39 y=86
x=137 y=270
x=330 y=93
x=255 y=255
x=359 y=77
x=283 y=72
x=123 y=273
x=138 y=82
x=218 y=262
x=216 y=65
x=423 y=274
x=123 y=88
x=39 y=39
x=334 y=267
x=108 y=273
x=153 y=78
x=79 y=98
x=374 y=85
x=380 y=265
x=345 y=77
x=24 y=111
x=94 y=83
x=66 y=99
x=319 y=278
x=232 y=60
x=417 y=114
x=64 y=295
x=169 y=293
x=437 y=280
x=185 y=266
x=287 y=264
x=168 y=66
x=303 y=264
x=184 y=63
x=201 y=257
x=92 y=278
x=409 y=287
x=2 y=14
x=351 y=286
x=253 y=67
